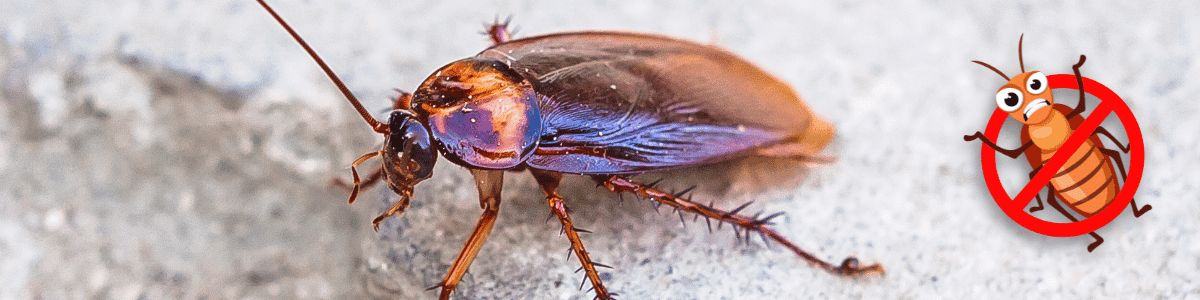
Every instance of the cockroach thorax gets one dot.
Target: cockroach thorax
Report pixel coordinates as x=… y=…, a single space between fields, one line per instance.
x=484 y=113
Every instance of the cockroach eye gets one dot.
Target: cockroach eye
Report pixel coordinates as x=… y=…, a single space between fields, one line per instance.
x=1036 y=84
x=1009 y=99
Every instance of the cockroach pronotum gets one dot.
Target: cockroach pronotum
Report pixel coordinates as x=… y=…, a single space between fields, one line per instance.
x=1086 y=183
x=605 y=105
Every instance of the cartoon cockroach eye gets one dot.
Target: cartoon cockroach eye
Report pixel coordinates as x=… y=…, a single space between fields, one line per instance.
x=605 y=105
x=1010 y=99
x=1036 y=84
x=1086 y=183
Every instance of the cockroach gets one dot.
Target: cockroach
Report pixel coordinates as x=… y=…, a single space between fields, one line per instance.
x=1086 y=183
x=606 y=105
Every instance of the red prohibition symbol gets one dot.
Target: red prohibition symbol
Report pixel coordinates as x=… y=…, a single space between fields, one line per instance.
x=1014 y=207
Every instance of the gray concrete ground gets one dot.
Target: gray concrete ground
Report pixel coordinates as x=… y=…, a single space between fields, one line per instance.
x=183 y=149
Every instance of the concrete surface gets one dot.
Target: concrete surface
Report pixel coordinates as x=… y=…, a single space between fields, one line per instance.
x=183 y=149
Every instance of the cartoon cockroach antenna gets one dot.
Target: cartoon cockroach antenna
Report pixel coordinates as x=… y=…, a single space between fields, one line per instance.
x=1020 y=53
x=993 y=69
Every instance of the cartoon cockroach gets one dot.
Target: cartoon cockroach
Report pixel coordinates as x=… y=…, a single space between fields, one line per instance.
x=599 y=104
x=1086 y=183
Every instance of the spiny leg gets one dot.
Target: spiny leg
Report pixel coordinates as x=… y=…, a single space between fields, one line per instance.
x=489 y=184
x=1115 y=157
x=498 y=31
x=849 y=266
x=1054 y=202
x=549 y=182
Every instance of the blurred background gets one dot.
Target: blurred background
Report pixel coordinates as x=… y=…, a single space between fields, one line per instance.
x=184 y=149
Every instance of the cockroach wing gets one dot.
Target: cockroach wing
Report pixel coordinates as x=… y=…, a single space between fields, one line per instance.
x=626 y=103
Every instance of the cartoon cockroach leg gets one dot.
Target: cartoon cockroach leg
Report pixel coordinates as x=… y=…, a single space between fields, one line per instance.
x=489 y=183
x=1054 y=203
x=549 y=182
x=619 y=184
x=1113 y=154
x=1038 y=196
x=1011 y=153
x=1116 y=158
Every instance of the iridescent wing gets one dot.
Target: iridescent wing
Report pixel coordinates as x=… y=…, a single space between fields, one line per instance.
x=627 y=103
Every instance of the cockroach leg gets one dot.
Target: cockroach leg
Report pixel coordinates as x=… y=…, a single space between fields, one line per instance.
x=1137 y=213
x=489 y=184
x=402 y=101
x=366 y=184
x=1039 y=206
x=499 y=32
x=1116 y=159
x=354 y=171
x=1054 y=202
x=398 y=208
x=1010 y=153
x=1080 y=107
x=1038 y=196
x=549 y=182
x=1093 y=245
x=1101 y=130
x=849 y=266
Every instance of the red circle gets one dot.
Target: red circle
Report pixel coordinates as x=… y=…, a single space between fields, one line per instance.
x=1016 y=211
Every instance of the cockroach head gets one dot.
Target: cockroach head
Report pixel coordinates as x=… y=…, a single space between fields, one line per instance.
x=408 y=155
x=1024 y=97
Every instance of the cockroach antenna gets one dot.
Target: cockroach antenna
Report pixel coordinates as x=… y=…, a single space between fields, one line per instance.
x=1020 y=58
x=1021 y=52
x=376 y=125
x=992 y=68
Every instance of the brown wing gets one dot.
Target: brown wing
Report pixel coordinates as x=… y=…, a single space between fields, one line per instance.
x=623 y=102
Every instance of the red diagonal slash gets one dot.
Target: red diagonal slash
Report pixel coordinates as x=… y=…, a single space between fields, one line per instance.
x=1015 y=208
x=1060 y=157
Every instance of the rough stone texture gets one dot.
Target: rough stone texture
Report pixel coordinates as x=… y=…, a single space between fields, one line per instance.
x=183 y=149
